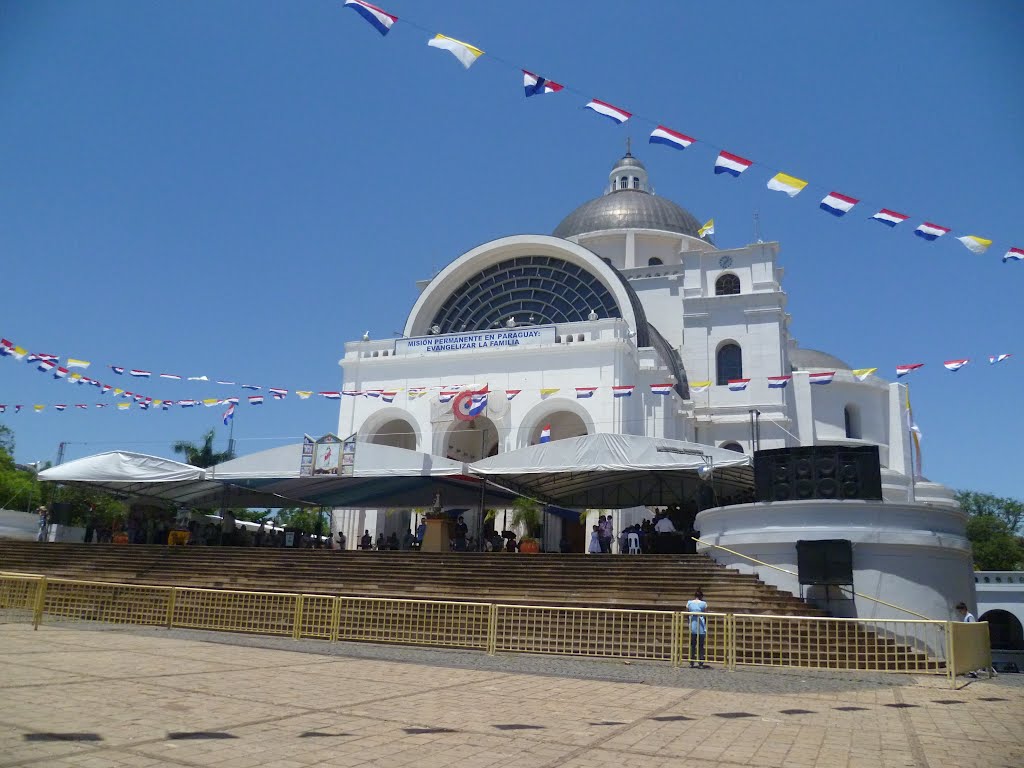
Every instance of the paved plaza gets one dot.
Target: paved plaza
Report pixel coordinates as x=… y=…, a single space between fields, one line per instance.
x=92 y=697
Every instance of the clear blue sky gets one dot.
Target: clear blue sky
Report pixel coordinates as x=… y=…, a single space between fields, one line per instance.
x=236 y=188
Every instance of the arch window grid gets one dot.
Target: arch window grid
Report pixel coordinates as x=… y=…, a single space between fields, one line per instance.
x=624 y=182
x=729 y=363
x=550 y=289
x=727 y=285
x=636 y=183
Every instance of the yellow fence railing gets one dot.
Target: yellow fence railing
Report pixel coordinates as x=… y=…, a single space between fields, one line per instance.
x=877 y=645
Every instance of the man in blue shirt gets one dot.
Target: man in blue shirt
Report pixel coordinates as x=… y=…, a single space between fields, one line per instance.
x=698 y=628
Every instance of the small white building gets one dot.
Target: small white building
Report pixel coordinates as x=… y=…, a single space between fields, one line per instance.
x=626 y=293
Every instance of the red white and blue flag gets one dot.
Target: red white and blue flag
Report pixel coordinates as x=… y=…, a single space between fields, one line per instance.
x=229 y=383
x=173 y=376
x=889 y=218
x=388 y=396
x=330 y=395
x=187 y=403
x=825 y=377
x=1014 y=254
x=903 y=370
x=955 y=365
x=255 y=399
x=479 y=402
x=535 y=84
x=616 y=115
x=778 y=382
x=252 y=386
x=139 y=374
x=993 y=359
x=661 y=389
x=732 y=164
x=83 y=406
x=511 y=393
x=46 y=365
x=837 y=204
x=60 y=407
x=60 y=373
x=545 y=434
x=670 y=138
x=380 y=20
x=352 y=392
x=446 y=395
x=930 y=231
x=280 y=394
x=105 y=389
x=623 y=390
x=585 y=392
x=738 y=385
x=229 y=414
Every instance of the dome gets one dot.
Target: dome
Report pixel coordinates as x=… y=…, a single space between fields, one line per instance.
x=628 y=209
x=628 y=204
x=808 y=359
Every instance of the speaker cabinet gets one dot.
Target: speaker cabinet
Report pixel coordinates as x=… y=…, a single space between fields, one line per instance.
x=825 y=561
x=60 y=513
x=818 y=472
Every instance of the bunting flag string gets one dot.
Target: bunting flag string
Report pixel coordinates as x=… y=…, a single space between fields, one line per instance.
x=834 y=203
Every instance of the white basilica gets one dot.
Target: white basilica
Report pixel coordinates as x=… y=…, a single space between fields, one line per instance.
x=625 y=292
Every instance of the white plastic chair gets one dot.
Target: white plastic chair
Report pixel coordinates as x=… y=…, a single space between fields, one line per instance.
x=632 y=544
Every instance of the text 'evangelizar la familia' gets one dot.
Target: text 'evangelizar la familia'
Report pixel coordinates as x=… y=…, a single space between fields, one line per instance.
x=473 y=341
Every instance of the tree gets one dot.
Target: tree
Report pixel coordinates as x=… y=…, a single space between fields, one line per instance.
x=1010 y=511
x=994 y=546
x=202 y=455
x=307 y=520
x=7 y=440
x=529 y=514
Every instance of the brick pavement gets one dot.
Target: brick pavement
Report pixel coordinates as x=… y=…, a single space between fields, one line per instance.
x=93 y=698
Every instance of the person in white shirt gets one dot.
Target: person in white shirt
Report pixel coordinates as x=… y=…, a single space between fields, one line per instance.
x=595 y=541
x=963 y=613
x=664 y=525
x=698 y=629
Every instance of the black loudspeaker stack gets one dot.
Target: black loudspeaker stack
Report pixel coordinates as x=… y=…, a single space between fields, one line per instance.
x=818 y=472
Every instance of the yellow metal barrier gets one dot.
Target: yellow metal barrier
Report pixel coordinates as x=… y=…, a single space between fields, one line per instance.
x=414 y=622
x=19 y=595
x=610 y=633
x=263 y=613
x=969 y=649
x=879 y=645
x=703 y=637
x=71 y=600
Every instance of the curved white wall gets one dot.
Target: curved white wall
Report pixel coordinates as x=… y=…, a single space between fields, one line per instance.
x=912 y=555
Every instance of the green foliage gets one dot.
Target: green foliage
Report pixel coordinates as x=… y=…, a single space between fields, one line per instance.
x=994 y=546
x=252 y=515
x=304 y=519
x=1010 y=511
x=202 y=455
x=18 y=489
x=527 y=513
x=7 y=441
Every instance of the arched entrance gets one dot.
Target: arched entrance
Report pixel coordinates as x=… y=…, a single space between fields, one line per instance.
x=398 y=433
x=473 y=440
x=1005 y=631
x=563 y=424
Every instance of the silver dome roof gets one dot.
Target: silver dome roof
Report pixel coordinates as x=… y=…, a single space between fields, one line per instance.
x=807 y=359
x=628 y=209
x=628 y=161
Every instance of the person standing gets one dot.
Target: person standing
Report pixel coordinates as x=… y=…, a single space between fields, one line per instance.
x=41 y=536
x=595 y=541
x=698 y=628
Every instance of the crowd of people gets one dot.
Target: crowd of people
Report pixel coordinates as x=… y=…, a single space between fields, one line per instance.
x=650 y=536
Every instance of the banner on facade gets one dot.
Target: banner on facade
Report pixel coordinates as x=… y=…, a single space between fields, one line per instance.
x=508 y=338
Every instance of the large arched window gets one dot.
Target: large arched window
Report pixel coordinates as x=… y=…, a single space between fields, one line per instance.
x=851 y=418
x=727 y=285
x=654 y=261
x=732 y=447
x=729 y=363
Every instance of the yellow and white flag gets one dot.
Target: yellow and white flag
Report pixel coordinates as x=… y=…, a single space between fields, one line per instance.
x=699 y=386
x=546 y=391
x=975 y=244
x=303 y=394
x=73 y=363
x=707 y=229
x=209 y=402
x=783 y=182
x=38 y=408
x=862 y=373
x=464 y=52
x=123 y=406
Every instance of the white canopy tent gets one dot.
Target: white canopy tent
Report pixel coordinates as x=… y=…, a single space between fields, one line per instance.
x=610 y=471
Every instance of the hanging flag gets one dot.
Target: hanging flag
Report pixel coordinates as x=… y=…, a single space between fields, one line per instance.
x=303 y=394
x=732 y=164
x=83 y=406
x=585 y=392
x=545 y=434
x=228 y=383
x=60 y=373
x=623 y=390
x=73 y=363
x=60 y=407
x=172 y=376
x=699 y=386
x=860 y=374
x=229 y=414
x=105 y=389
x=18 y=353
x=209 y=402
x=38 y=408
x=479 y=402
x=101 y=405
x=535 y=84
x=3 y=408
x=251 y=386
x=783 y=182
x=889 y=218
x=380 y=20
x=464 y=52
x=446 y=395
x=930 y=231
x=352 y=392
x=165 y=405
x=367 y=393
x=199 y=378
x=6 y=346
x=277 y=393
x=825 y=377
x=956 y=365
x=993 y=359
x=75 y=378
x=778 y=382
x=975 y=244
x=1015 y=254
x=548 y=391
x=616 y=115
x=40 y=356
x=670 y=138
x=117 y=369
x=903 y=370
x=139 y=374
x=17 y=408
x=415 y=392
x=46 y=365
x=511 y=393
x=837 y=204
x=387 y=396
x=661 y=389
x=123 y=406
x=255 y=399
x=330 y=395
x=187 y=403
x=738 y=385
x=707 y=229
x=234 y=400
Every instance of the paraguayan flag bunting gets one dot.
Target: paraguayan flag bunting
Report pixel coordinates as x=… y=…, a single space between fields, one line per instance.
x=467 y=54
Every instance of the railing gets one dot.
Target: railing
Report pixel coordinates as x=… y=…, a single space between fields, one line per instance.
x=877 y=645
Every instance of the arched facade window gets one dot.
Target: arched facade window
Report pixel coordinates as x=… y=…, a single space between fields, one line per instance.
x=654 y=261
x=624 y=182
x=732 y=447
x=636 y=183
x=727 y=285
x=729 y=362
x=851 y=418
